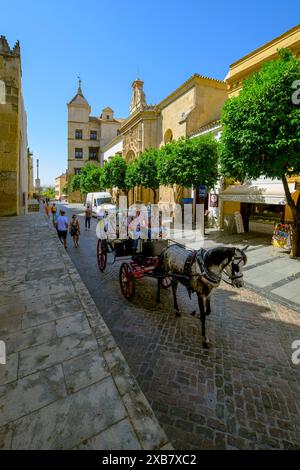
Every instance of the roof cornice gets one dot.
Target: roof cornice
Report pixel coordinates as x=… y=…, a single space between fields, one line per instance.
x=188 y=84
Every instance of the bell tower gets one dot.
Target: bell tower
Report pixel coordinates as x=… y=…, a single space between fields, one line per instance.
x=138 y=98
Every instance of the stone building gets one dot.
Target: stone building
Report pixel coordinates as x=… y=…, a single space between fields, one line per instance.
x=195 y=103
x=30 y=174
x=14 y=157
x=60 y=182
x=87 y=135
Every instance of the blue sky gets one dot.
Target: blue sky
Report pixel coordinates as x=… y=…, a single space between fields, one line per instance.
x=109 y=42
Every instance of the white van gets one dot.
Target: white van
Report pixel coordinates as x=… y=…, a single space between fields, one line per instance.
x=99 y=203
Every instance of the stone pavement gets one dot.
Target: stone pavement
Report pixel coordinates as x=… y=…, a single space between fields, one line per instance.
x=66 y=384
x=243 y=393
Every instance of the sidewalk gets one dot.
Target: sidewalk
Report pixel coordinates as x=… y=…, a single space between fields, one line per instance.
x=66 y=384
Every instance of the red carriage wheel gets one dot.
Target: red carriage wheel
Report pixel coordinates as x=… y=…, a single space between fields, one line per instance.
x=127 y=281
x=101 y=254
x=166 y=282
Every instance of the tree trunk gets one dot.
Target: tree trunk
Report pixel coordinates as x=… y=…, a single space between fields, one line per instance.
x=154 y=195
x=295 y=208
x=295 y=236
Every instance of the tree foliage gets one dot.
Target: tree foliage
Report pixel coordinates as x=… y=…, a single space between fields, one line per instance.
x=89 y=180
x=49 y=192
x=114 y=173
x=261 y=127
x=189 y=162
x=144 y=171
x=261 y=131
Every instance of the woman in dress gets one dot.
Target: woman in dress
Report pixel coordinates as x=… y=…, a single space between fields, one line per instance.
x=75 y=230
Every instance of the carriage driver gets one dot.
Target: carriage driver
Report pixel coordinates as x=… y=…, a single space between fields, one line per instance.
x=138 y=229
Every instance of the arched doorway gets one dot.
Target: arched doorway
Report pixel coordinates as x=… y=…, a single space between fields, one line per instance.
x=130 y=156
x=168 y=137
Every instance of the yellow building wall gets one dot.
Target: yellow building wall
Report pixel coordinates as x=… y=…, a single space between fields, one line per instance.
x=10 y=74
x=287 y=210
x=244 y=67
x=230 y=207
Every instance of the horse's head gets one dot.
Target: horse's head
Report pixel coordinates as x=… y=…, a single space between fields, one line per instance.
x=234 y=269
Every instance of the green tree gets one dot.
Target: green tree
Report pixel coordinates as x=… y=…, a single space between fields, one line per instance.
x=114 y=173
x=189 y=162
x=91 y=179
x=88 y=181
x=75 y=183
x=261 y=130
x=49 y=192
x=131 y=176
x=144 y=171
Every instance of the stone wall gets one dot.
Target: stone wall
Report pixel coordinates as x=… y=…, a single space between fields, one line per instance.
x=10 y=121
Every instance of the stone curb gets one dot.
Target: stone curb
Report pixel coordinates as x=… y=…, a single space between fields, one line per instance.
x=144 y=422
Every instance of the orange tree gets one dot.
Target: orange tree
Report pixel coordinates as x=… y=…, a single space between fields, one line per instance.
x=261 y=130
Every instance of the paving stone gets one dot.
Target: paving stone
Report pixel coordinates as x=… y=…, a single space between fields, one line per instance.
x=6 y=434
x=120 y=436
x=70 y=325
x=9 y=371
x=24 y=339
x=54 y=352
x=84 y=370
x=62 y=425
x=31 y=393
x=144 y=421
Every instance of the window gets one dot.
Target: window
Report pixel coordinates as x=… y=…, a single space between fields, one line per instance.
x=78 y=134
x=77 y=171
x=103 y=200
x=93 y=153
x=107 y=116
x=93 y=135
x=78 y=153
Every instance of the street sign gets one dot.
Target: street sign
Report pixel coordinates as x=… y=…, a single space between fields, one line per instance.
x=202 y=190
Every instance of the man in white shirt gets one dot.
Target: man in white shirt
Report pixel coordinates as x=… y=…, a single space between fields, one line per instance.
x=62 y=227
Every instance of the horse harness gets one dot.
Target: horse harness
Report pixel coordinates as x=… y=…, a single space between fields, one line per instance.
x=209 y=278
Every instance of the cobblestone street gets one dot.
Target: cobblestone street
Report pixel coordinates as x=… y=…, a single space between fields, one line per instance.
x=244 y=392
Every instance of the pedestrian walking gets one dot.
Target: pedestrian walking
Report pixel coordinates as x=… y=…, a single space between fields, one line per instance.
x=75 y=230
x=53 y=212
x=47 y=210
x=61 y=224
x=88 y=216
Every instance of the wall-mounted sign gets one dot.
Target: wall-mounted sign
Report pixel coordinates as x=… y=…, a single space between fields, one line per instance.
x=202 y=190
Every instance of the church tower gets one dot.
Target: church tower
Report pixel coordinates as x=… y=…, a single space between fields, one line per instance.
x=138 y=98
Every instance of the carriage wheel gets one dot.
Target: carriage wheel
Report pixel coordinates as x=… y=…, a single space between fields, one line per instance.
x=166 y=282
x=101 y=254
x=127 y=281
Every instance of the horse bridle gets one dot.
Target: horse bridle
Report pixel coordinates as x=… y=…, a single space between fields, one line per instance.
x=235 y=271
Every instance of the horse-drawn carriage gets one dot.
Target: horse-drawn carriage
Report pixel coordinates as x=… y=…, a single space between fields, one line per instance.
x=135 y=265
x=200 y=271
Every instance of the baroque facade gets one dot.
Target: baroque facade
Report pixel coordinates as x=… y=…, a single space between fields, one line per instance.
x=15 y=159
x=195 y=103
